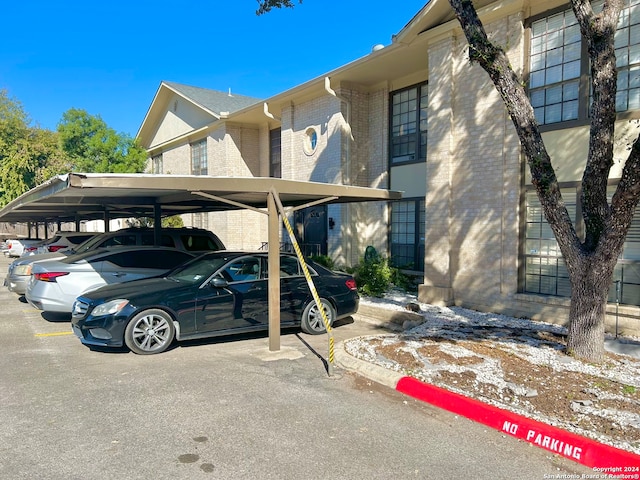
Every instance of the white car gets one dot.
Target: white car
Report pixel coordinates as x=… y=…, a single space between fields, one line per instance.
x=60 y=241
x=55 y=284
x=16 y=246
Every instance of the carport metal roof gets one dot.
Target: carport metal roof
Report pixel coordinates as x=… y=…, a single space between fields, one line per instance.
x=81 y=196
x=86 y=196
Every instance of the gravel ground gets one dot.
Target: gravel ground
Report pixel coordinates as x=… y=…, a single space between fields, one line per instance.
x=515 y=364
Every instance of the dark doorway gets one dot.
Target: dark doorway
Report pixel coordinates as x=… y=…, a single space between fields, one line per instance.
x=311 y=230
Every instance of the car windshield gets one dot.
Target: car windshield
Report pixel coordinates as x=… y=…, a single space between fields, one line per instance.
x=198 y=269
x=87 y=244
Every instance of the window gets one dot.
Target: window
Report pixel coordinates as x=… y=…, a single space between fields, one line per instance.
x=149 y=239
x=544 y=268
x=289 y=266
x=275 y=153
x=156 y=164
x=557 y=71
x=310 y=141
x=545 y=271
x=627 y=43
x=242 y=270
x=163 y=260
x=117 y=240
x=199 y=158
x=409 y=125
x=194 y=242
x=407 y=234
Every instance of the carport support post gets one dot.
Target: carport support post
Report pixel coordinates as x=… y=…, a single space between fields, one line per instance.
x=274 y=270
x=274 y=194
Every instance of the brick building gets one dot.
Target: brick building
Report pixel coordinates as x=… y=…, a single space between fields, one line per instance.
x=416 y=116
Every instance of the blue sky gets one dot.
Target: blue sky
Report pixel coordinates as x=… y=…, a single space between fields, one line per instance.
x=109 y=58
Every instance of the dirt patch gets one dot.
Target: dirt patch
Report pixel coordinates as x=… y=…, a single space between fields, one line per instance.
x=509 y=372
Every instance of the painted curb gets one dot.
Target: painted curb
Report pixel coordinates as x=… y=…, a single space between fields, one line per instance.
x=611 y=462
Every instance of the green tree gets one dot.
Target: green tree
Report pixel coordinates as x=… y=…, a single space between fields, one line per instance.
x=174 y=221
x=28 y=155
x=95 y=147
x=265 y=6
x=33 y=158
x=590 y=262
x=14 y=122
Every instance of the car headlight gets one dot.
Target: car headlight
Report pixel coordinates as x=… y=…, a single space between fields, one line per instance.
x=110 y=307
x=22 y=270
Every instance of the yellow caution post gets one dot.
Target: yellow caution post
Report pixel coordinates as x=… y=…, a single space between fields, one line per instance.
x=309 y=279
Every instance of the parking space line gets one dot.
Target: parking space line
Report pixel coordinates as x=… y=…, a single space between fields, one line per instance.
x=54 y=334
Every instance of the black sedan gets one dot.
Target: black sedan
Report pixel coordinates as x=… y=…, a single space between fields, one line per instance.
x=219 y=293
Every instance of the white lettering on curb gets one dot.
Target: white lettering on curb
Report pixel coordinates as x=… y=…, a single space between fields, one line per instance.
x=545 y=441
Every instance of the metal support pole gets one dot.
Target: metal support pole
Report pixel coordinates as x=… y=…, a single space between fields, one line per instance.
x=330 y=361
x=274 y=274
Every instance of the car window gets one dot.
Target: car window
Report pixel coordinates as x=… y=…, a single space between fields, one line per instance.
x=125 y=239
x=89 y=244
x=77 y=239
x=242 y=270
x=194 y=242
x=289 y=267
x=197 y=270
x=149 y=239
x=160 y=259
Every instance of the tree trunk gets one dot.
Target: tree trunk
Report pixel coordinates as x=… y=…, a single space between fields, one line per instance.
x=589 y=292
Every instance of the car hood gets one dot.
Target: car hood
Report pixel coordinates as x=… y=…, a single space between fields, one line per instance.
x=133 y=289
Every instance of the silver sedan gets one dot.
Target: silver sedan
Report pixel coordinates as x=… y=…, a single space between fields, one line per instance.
x=55 y=284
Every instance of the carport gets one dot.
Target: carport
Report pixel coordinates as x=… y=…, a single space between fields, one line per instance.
x=85 y=196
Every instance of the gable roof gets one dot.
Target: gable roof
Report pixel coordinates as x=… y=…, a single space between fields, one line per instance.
x=214 y=101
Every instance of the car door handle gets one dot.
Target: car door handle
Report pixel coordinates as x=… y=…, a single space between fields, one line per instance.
x=119 y=274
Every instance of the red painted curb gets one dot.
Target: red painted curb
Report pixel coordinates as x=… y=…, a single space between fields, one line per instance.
x=603 y=458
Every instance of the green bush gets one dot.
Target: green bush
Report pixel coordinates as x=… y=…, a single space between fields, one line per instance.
x=324 y=260
x=373 y=276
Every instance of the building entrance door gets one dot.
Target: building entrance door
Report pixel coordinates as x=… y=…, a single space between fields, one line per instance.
x=311 y=230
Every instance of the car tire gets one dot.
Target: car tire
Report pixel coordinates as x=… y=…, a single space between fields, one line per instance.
x=312 y=322
x=150 y=331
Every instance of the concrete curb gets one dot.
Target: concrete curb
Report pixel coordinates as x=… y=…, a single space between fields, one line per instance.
x=382 y=315
x=607 y=460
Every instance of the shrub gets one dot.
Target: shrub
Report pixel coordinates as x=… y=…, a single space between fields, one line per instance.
x=324 y=260
x=373 y=276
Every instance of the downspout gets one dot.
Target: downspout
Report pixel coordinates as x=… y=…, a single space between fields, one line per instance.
x=265 y=109
x=346 y=174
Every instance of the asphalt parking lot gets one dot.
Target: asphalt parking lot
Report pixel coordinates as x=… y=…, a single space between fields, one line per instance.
x=225 y=409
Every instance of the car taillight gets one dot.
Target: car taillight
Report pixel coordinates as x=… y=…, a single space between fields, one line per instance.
x=55 y=248
x=49 y=276
x=30 y=249
x=351 y=284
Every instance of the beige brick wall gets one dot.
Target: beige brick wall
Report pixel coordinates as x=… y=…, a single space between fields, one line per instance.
x=473 y=177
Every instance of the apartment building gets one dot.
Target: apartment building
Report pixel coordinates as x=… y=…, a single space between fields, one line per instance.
x=418 y=117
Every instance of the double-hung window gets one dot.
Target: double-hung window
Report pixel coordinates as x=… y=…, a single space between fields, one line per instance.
x=409 y=125
x=407 y=234
x=275 y=153
x=199 y=164
x=627 y=44
x=559 y=85
x=544 y=269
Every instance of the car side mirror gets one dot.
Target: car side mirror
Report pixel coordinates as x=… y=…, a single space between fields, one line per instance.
x=218 y=282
